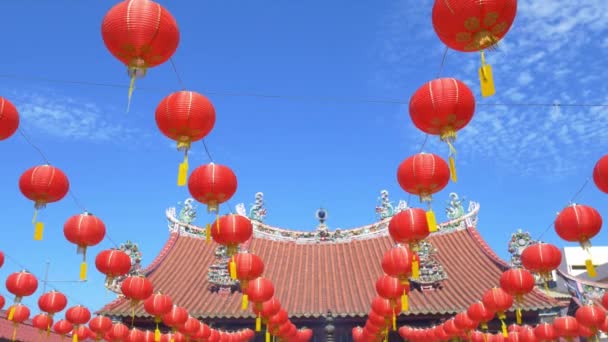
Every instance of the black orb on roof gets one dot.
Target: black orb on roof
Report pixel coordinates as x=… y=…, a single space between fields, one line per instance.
x=321 y=214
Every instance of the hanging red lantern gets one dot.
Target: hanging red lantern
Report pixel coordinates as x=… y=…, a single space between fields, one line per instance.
x=267 y=310
x=397 y=262
x=480 y=313
x=77 y=315
x=135 y=335
x=471 y=25
x=21 y=284
x=566 y=327
x=18 y=314
x=204 y=332
x=517 y=282
x=9 y=119
x=245 y=267
x=590 y=316
x=118 y=332
x=52 y=302
x=157 y=305
x=579 y=223
x=43 y=184
x=100 y=325
x=113 y=263
x=545 y=332
x=231 y=231
x=600 y=174
x=464 y=322
x=186 y=117
x=84 y=230
x=409 y=227
x=212 y=184
x=541 y=258
x=83 y=333
x=499 y=301
x=148 y=336
x=141 y=34
x=385 y=307
x=42 y=322
x=175 y=318
x=259 y=291
x=190 y=328
x=1 y=259
x=62 y=327
x=390 y=288
x=136 y=288
x=423 y=175
x=442 y=107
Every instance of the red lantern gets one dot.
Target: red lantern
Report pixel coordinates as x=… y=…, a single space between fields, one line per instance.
x=259 y=291
x=204 y=332
x=470 y=25
x=157 y=305
x=118 y=332
x=63 y=327
x=390 y=288
x=42 y=322
x=579 y=223
x=186 y=117
x=1 y=259
x=52 y=302
x=590 y=316
x=442 y=107
x=464 y=322
x=541 y=258
x=231 y=230
x=84 y=230
x=82 y=333
x=424 y=174
x=545 y=332
x=100 y=325
x=135 y=335
x=566 y=326
x=78 y=315
x=136 y=288
x=526 y=334
x=410 y=227
x=600 y=174
x=497 y=300
x=176 y=317
x=141 y=34
x=480 y=313
x=9 y=119
x=18 y=313
x=43 y=184
x=113 y=263
x=246 y=267
x=190 y=328
x=212 y=184
x=21 y=284
x=397 y=262
x=2 y=302
x=517 y=282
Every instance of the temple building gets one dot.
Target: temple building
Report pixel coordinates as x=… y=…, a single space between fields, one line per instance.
x=326 y=279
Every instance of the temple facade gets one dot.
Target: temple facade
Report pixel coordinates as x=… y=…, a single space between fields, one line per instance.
x=326 y=278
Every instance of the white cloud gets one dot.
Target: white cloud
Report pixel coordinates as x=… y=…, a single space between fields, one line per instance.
x=553 y=54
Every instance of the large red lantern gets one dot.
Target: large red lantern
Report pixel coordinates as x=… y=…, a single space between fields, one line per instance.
x=472 y=25
x=517 y=282
x=600 y=174
x=18 y=313
x=230 y=231
x=590 y=316
x=442 y=107
x=424 y=174
x=141 y=34
x=480 y=313
x=397 y=262
x=118 y=332
x=52 y=302
x=212 y=184
x=390 y=288
x=190 y=328
x=100 y=325
x=43 y=184
x=566 y=326
x=77 y=315
x=541 y=258
x=463 y=322
x=42 y=322
x=580 y=223
x=157 y=305
x=9 y=119
x=84 y=230
x=410 y=227
x=21 y=284
x=113 y=263
x=545 y=332
x=259 y=291
x=499 y=301
x=63 y=327
x=246 y=267
x=186 y=117
x=175 y=318
x=136 y=288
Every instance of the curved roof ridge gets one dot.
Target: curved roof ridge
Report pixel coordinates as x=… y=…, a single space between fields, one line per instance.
x=582 y=281
x=485 y=247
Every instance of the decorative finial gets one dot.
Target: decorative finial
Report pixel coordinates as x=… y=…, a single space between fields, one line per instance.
x=321 y=215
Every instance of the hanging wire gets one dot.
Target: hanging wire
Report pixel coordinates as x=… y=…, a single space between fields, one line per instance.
x=27 y=139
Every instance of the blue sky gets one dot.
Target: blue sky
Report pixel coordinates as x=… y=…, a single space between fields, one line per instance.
x=320 y=142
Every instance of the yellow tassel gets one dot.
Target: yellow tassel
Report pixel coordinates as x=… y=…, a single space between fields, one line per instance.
x=38 y=230
x=394 y=322
x=182 y=175
x=590 y=268
x=11 y=313
x=431 y=220
x=258 y=324
x=453 y=169
x=208 y=233
x=245 y=302
x=83 y=271
x=131 y=88
x=217 y=219
x=157 y=334
x=505 y=332
x=267 y=336
x=405 y=305
x=415 y=268
x=486 y=78
x=75 y=337
x=14 y=338
x=518 y=315
x=232 y=269
x=484 y=326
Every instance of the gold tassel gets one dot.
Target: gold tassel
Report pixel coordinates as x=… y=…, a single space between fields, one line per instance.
x=267 y=336
x=484 y=326
x=590 y=268
x=208 y=233
x=182 y=175
x=157 y=333
x=38 y=230
x=258 y=324
x=14 y=337
x=486 y=78
x=75 y=336
x=245 y=302
x=217 y=219
x=232 y=268
x=452 y=169
x=404 y=302
x=431 y=220
x=11 y=313
x=505 y=331
x=83 y=271
x=131 y=88
x=518 y=315
x=394 y=322
x=415 y=267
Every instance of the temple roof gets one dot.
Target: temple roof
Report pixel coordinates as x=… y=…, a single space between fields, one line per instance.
x=314 y=278
x=25 y=331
